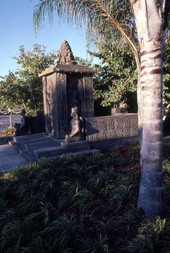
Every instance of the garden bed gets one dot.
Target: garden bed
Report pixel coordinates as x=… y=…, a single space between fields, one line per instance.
x=81 y=205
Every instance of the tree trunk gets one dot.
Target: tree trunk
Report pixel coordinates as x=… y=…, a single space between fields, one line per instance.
x=149 y=28
x=10 y=119
x=150 y=193
x=139 y=100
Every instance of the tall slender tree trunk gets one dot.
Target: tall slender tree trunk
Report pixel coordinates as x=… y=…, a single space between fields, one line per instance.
x=150 y=193
x=150 y=29
x=10 y=119
x=139 y=100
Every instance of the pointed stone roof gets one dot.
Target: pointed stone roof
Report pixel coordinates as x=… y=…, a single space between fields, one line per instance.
x=65 y=55
x=65 y=63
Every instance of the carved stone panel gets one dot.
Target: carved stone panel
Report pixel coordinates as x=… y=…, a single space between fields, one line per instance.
x=88 y=96
x=64 y=54
x=55 y=104
x=111 y=127
x=47 y=103
x=80 y=93
x=61 y=104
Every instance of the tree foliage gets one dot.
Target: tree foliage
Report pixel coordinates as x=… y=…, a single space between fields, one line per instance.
x=116 y=76
x=24 y=87
x=100 y=16
x=8 y=89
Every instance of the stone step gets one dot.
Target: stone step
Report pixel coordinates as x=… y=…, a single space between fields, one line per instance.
x=87 y=152
x=29 y=137
x=83 y=153
x=35 y=146
x=42 y=144
x=35 y=140
x=73 y=144
x=55 y=151
x=17 y=145
x=29 y=156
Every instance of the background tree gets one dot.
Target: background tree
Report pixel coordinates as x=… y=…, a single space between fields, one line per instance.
x=115 y=77
x=24 y=87
x=8 y=94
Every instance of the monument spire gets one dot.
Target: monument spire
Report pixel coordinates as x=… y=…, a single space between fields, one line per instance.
x=65 y=55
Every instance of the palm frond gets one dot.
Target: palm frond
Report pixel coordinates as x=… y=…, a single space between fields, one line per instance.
x=93 y=13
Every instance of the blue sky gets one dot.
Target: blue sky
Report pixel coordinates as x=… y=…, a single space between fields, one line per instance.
x=16 y=28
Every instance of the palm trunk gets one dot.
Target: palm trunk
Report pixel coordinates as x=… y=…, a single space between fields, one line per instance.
x=149 y=23
x=150 y=193
x=139 y=95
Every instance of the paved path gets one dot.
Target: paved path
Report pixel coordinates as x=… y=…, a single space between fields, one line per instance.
x=10 y=158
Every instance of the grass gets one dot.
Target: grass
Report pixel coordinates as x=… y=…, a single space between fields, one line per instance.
x=81 y=205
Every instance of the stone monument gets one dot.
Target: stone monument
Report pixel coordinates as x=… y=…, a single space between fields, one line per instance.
x=66 y=85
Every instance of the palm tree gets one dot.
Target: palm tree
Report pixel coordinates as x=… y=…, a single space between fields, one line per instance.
x=151 y=34
x=151 y=23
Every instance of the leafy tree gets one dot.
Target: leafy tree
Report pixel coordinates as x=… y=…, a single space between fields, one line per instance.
x=8 y=94
x=151 y=18
x=24 y=87
x=116 y=77
x=83 y=62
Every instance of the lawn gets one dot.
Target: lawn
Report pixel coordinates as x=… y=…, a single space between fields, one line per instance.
x=81 y=205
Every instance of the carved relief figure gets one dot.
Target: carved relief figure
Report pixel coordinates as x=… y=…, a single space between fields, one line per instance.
x=65 y=55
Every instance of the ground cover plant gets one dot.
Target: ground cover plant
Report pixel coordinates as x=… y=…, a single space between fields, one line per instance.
x=81 y=205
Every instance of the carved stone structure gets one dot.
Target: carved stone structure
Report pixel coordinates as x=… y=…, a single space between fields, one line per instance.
x=107 y=128
x=65 y=55
x=66 y=85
